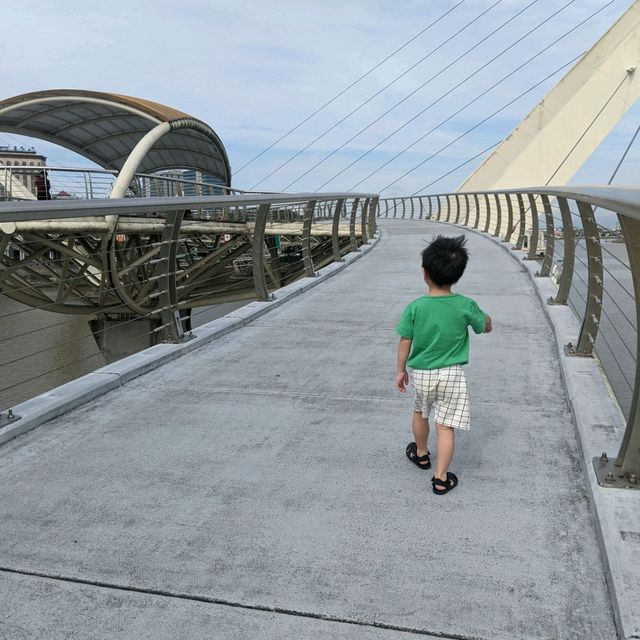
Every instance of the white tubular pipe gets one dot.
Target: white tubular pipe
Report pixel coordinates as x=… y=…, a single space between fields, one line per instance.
x=135 y=158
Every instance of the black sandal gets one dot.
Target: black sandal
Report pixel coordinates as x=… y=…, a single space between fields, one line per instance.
x=424 y=462
x=444 y=485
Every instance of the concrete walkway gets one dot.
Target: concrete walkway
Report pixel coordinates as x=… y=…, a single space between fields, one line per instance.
x=258 y=487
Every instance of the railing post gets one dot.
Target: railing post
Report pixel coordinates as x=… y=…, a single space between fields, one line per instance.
x=257 y=253
x=404 y=207
x=335 y=228
x=373 y=208
x=568 y=258
x=412 y=207
x=476 y=204
x=395 y=208
x=457 y=197
x=352 y=224
x=439 y=213
x=448 y=197
x=628 y=461
x=421 y=203
x=520 y=240
x=168 y=299
x=429 y=213
x=533 y=241
x=306 y=238
x=593 y=307
x=550 y=238
x=487 y=215
x=467 y=208
x=509 y=233
x=364 y=215
x=496 y=232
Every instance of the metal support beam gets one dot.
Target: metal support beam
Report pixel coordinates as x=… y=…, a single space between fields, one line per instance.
x=522 y=223
x=568 y=258
x=257 y=253
x=533 y=239
x=335 y=239
x=476 y=204
x=550 y=238
x=487 y=213
x=306 y=237
x=593 y=307
x=496 y=231
x=352 y=224
x=467 y=207
x=172 y=325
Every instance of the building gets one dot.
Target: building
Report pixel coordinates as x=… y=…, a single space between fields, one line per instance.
x=18 y=173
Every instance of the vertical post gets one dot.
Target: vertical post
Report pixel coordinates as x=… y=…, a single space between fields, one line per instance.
x=172 y=325
x=352 y=224
x=412 y=207
x=568 y=259
x=404 y=207
x=496 y=231
x=335 y=229
x=364 y=217
x=507 y=237
x=467 y=208
x=373 y=209
x=306 y=238
x=395 y=208
x=550 y=238
x=448 y=207
x=628 y=460
x=429 y=213
x=533 y=241
x=257 y=253
x=487 y=213
x=476 y=204
x=520 y=240
x=421 y=202
x=457 y=197
x=593 y=307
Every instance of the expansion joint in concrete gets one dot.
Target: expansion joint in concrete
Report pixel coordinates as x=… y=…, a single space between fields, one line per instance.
x=237 y=605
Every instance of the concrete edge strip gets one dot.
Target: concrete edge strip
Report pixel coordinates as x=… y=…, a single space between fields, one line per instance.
x=574 y=371
x=62 y=399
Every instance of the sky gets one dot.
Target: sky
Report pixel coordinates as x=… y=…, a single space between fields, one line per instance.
x=253 y=70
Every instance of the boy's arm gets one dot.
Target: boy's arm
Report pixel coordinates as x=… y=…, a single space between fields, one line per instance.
x=487 y=324
x=402 y=377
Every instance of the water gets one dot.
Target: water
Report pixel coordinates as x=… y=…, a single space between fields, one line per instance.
x=41 y=350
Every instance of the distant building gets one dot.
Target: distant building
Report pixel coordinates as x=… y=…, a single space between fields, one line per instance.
x=17 y=175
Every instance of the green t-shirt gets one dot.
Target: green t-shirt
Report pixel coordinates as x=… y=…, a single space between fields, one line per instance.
x=438 y=329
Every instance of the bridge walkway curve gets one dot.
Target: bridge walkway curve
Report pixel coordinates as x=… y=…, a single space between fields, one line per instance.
x=258 y=487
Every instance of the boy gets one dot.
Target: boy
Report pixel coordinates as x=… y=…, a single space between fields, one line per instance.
x=434 y=330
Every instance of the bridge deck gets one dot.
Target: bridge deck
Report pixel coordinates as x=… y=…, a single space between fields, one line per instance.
x=267 y=471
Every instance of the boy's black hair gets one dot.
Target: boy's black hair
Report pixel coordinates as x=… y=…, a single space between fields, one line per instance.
x=445 y=259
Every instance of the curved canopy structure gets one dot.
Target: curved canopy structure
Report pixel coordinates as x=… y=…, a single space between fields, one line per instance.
x=106 y=127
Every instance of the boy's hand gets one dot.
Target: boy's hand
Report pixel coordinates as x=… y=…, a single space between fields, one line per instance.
x=487 y=325
x=402 y=379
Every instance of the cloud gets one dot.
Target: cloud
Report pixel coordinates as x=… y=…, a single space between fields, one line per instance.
x=253 y=70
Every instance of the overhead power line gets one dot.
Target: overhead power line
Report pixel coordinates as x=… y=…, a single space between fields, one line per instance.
x=353 y=84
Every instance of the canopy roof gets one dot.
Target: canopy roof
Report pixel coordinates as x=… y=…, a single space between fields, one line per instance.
x=105 y=127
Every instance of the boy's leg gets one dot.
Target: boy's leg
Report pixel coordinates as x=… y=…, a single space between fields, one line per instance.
x=446 y=437
x=420 y=427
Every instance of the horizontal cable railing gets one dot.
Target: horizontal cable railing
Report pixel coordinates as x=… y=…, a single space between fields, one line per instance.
x=143 y=270
x=596 y=269
x=72 y=183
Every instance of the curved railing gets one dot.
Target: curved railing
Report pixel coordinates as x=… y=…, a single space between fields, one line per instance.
x=565 y=229
x=150 y=267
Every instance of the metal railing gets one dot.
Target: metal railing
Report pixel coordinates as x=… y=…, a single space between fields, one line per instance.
x=156 y=263
x=559 y=226
x=72 y=183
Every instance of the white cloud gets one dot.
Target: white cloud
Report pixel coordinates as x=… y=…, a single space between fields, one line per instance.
x=253 y=70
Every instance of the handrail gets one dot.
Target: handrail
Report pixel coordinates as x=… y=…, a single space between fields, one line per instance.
x=167 y=256
x=532 y=204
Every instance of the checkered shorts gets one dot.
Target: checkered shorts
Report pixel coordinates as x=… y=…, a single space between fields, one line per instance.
x=446 y=390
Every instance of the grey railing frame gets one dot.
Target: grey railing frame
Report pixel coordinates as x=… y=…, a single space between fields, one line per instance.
x=165 y=265
x=625 y=202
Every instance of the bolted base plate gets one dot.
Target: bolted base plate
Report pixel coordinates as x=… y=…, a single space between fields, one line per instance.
x=608 y=475
x=8 y=418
